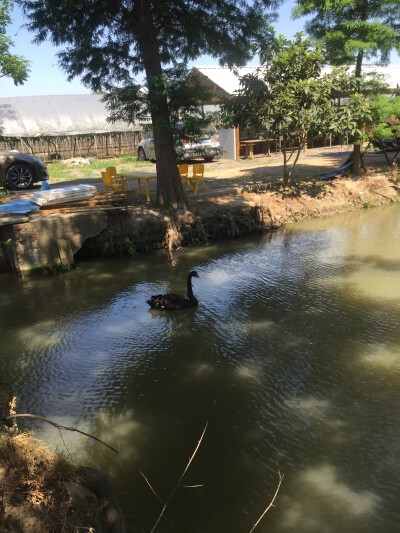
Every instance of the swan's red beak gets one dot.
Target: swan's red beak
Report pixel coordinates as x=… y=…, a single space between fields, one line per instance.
x=197 y=276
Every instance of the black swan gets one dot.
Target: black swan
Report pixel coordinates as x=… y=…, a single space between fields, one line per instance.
x=171 y=302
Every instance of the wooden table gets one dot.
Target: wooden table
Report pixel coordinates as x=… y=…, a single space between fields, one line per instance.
x=248 y=145
x=139 y=175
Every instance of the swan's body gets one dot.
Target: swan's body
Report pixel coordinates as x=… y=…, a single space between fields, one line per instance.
x=171 y=302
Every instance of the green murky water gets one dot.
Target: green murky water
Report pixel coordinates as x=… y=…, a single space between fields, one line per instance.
x=292 y=359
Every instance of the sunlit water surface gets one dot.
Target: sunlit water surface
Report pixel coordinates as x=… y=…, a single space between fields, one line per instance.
x=292 y=359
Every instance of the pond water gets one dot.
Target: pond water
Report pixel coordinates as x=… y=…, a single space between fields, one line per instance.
x=291 y=362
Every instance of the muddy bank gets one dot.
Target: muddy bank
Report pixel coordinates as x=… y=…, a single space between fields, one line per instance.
x=260 y=208
x=58 y=239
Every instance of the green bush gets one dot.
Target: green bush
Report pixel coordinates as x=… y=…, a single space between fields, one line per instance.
x=384 y=107
x=384 y=131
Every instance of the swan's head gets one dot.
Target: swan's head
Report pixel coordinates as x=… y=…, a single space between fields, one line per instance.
x=194 y=274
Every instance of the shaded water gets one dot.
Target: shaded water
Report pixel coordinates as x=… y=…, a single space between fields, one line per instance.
x=292 y=358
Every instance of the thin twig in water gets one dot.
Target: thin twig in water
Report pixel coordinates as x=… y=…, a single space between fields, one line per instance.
x=66 y=447
x=60 y=426
x=179 y=480
x=270 y=504
x=152 y=490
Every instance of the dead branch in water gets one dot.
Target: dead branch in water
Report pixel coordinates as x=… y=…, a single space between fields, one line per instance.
x=60 y=426
x=270 y=504
x=177 y=483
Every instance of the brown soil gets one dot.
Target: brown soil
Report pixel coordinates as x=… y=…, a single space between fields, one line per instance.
x=260 y=187
x=259 y=180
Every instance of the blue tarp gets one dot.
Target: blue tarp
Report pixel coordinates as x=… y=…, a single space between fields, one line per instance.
x=23 y=206
x=19 y=207
x=45 y=186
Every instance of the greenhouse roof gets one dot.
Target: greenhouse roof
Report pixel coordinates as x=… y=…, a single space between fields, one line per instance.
x=33 y=116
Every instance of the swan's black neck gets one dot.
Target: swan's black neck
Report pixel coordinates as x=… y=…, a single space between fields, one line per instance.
x=190 y=294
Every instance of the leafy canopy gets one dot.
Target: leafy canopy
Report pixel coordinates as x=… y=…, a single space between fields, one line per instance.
x=102 y=38
x=282 y=97
x=386 y=118
x=289 y=97
x=353 y=29
x=11 y=65
x=184 y=91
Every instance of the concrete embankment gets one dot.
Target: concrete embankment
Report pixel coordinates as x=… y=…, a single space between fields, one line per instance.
x=57 y=239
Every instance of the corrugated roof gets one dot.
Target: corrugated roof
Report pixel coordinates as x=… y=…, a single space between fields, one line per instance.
x=32 y=116
x=224 y=81
x=225 y=78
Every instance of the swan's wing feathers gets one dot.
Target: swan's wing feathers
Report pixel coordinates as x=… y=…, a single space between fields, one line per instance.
x=168 y=301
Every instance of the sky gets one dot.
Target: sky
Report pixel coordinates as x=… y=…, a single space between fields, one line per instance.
x=47 y=78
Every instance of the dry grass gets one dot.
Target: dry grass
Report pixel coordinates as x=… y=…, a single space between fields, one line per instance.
x=33 y=492
x=33 y=482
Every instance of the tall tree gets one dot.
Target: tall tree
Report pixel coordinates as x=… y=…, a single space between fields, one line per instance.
x=11 y=65
x=353 y=30
x=289 y=98
x=108 y=43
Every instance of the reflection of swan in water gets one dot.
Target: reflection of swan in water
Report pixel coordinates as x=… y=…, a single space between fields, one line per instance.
x=171 y=302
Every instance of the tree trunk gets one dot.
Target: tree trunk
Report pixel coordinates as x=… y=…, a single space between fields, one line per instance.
x=294 y=162
x=169 y=187
x=285 y=163
x=359 y=60
x=356 y=158
x=357 y=147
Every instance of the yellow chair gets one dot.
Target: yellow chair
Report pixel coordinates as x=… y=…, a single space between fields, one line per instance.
x=198 y=176
x=111 y=182
x=122 y=181
x=184 y=174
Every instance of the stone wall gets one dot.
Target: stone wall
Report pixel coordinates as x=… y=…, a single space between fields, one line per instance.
x=48 y=242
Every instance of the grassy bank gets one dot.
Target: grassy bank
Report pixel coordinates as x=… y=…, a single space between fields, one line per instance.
x=126 y=163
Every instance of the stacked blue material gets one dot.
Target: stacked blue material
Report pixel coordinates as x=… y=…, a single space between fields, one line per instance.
x=22 y=206
x=18 y=207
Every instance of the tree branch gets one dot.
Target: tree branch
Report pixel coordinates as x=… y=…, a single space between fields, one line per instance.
x=59 y=426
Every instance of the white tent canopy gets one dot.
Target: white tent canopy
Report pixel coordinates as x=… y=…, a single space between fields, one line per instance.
x=65 y=115
x=57 y=115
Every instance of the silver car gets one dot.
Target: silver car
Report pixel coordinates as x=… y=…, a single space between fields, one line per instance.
x=21 y=171
x=207 y=147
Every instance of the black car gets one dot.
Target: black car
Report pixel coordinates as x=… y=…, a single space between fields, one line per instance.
x=21 y=171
